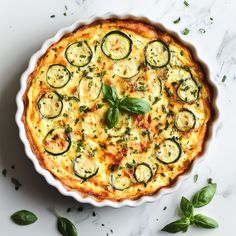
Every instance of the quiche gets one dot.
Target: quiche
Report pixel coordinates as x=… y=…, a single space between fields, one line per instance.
x=117 y=109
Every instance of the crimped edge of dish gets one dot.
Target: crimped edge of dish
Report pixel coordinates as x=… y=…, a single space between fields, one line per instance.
x=75 y=194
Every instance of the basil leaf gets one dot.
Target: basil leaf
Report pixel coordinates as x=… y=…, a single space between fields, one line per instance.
x=177 y=226
x=110 y=94
x=66 y=227
x=204 y=196
x=205 y=222
x=24 y=217
x=134 y=105
x=186 y=207
x=112 y=117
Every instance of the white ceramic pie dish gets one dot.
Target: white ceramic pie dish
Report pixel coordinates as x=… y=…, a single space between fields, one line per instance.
x=48 y=176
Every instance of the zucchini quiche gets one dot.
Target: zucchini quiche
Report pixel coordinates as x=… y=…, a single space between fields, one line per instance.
x=117 y=109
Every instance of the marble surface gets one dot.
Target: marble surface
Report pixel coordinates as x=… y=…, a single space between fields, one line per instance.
x=25 y=24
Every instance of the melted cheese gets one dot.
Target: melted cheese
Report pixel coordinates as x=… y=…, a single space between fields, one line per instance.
x=115 y=153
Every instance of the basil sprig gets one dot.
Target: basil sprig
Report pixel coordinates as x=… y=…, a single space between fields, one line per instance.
x=125 y=104
x=24 y=217
x=65 y=226
x=201 y=198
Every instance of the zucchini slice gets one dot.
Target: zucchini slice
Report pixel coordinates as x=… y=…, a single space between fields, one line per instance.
x=143 y=173
x=127 y=68
x=122 y=127
x=120 y=180
x=116 y=45
x=150 y=86
x=79 y=54
x=57 y=76
x=50 y=105
x=188 y=90
x=89 y=89
x=169 y=151
x=57 y=142
x=185 y=120
x=85 y=167
x=157 y=54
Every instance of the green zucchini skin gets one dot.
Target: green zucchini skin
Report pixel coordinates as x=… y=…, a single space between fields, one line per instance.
x=83 y=176
x=146 y=54
x=39 y=106
x=88 y=57
x=125 y=36
x=144 y=182
x=178 y=154
x=53 y=84
x=68 y=140
x=191 y=115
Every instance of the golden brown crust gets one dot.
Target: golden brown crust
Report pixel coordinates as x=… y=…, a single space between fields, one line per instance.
x=149 y=32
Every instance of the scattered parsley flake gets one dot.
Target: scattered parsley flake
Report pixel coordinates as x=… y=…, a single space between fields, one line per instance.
x=177 y=20
x=202 y=31
x=68 y=129
x=94 y=214
x=16 y=183
x=68 y=209
x=164 y=208
x=185 y=31
x=224 y=79
x=52 y=16
x=186 y=3
x=195 y=178
x=210 y=181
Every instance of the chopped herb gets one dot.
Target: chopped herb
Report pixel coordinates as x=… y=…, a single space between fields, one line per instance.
x=224 y=79
x=102 y=145
x=202 y=31
x=68 y=209
x=83 y=108
x=157 y=99
x=65 y=14
x=94 y=214
x=80 y=146
x=99 y=106
x=4 y=172
x=165 y=207
x=103 y=73
x=185 y=31
x=177 y=21
x=52 y=16
x=16 y=183
x=169 y=92
x=195 y=178
x=186 y=3
x=68 y=129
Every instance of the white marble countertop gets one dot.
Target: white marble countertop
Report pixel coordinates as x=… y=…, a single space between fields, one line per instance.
x=26 y=24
